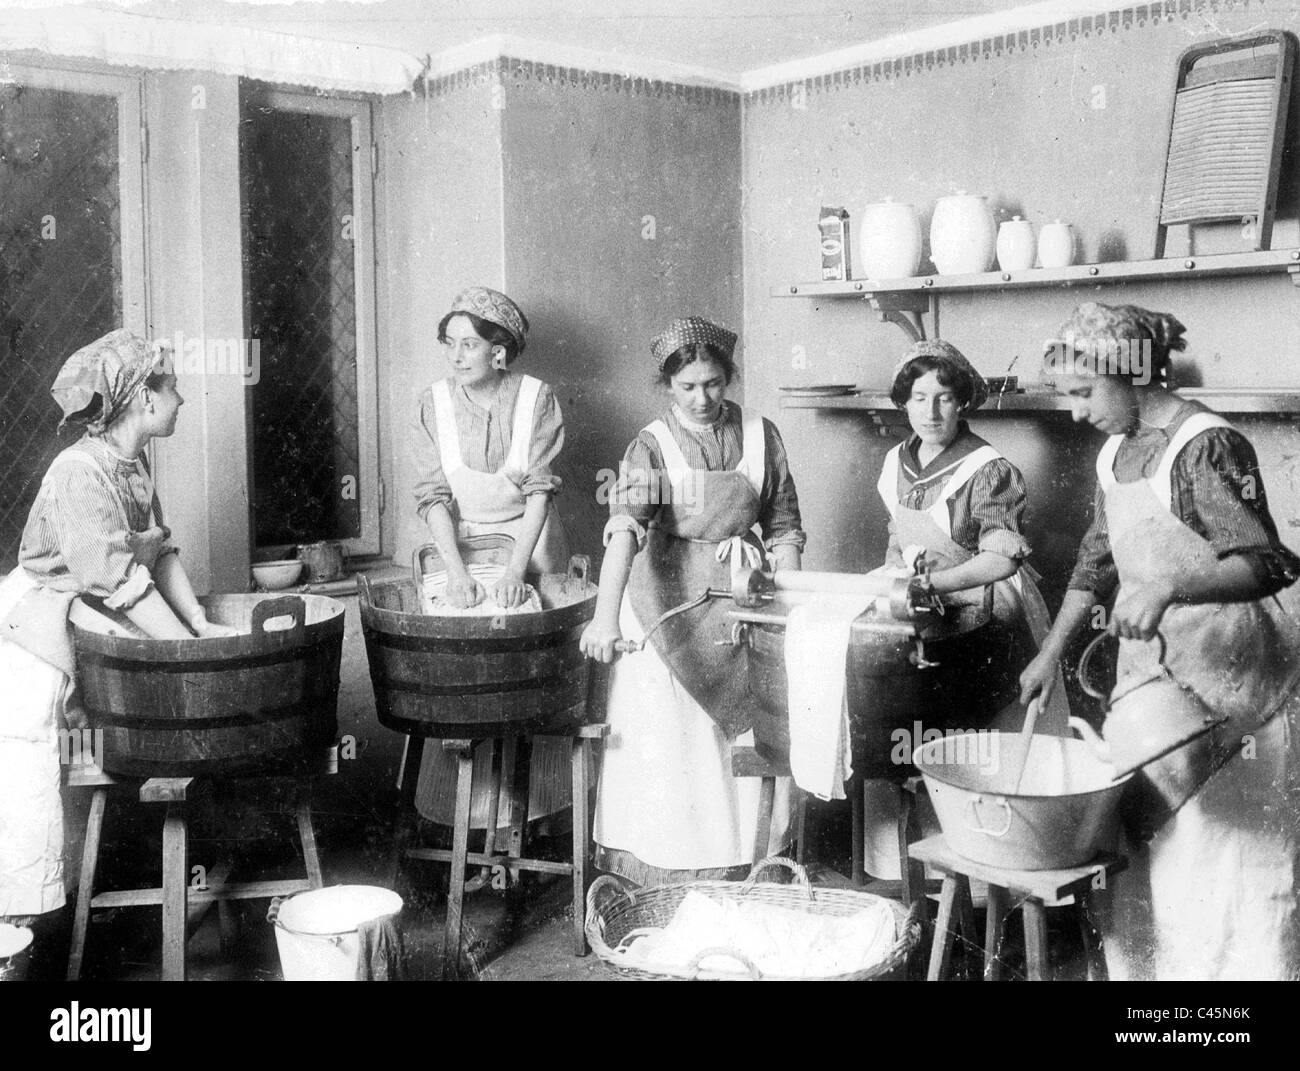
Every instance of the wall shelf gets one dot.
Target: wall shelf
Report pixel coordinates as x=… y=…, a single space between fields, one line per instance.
x=1284 y=403
x=903 y=302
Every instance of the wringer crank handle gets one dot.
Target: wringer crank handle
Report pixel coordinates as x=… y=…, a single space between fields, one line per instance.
x=632 y=646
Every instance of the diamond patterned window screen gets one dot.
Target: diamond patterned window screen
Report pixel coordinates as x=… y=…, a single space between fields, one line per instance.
x=300 y=286
x=60 y=270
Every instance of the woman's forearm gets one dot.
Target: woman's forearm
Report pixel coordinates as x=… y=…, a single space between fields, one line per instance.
x=788 y=557
x=535 y=509
x=1076 y=609
x=1141 y=606
x=443 y=531
x=1230 y=579
x=987 y=567
x=614 y=573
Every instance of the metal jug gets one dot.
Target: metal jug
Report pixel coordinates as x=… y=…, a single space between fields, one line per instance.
x=1150 y=719
x=325 y=560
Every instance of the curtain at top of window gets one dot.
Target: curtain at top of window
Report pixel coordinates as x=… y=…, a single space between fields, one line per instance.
x=128 y=39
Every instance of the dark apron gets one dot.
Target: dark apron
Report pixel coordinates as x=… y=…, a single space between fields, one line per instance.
x=701 y=536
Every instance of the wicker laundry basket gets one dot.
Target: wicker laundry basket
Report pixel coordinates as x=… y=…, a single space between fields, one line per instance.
x=613 y=912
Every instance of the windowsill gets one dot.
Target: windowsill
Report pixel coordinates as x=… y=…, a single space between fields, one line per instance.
x=375 y=569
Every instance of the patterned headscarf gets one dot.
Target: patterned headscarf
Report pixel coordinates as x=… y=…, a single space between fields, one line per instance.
x=110 y=368
x=495 y=307
x=1096 y=330
x=685 y=331
x=946 y=351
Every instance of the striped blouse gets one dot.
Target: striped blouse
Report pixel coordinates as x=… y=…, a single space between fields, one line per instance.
x=485 y=435
x=717 y=447
x=80 y=533
x=1210 y=480
x=985 y=514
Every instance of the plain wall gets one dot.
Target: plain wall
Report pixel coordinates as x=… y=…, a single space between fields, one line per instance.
x=440 y=230
x=1020 y=127
x=622 y=211
x=195 y=283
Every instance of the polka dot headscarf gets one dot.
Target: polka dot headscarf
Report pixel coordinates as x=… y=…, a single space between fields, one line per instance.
x=691 y=329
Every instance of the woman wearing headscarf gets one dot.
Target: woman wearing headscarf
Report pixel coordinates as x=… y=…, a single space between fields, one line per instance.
x=693 y=485
x=953 y=496
x=483 y=443
x=95 y=530
x=1183 y=540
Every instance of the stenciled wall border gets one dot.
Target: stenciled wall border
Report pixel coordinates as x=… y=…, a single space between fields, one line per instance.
x=505 y=68
x=1121 y=20
x=508 y=69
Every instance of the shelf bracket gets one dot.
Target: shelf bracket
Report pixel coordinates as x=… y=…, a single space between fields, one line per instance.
x=906 y=311
x=1294 y=271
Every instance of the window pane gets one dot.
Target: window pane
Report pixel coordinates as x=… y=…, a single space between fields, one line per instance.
x=300 y=292
x=60 y=269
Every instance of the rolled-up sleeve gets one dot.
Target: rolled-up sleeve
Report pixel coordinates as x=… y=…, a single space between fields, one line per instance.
x=90 y=526
x=779 y=516
x=635 y=495
x=997 y=506
x=545 y=447
x=431 y=486
x=1094 y=566
x=1219 y=491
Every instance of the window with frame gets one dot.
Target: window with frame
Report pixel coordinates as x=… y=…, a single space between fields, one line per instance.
x=71 y=253
x=307 y=205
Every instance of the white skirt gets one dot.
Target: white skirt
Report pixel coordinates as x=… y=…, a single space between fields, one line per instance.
x=667 y=794
x=31 y=808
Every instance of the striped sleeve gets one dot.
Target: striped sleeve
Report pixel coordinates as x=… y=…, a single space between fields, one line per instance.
x=89 y=526
x=431 y=486
x=545 y=446
x=779 y=515
x=1218 y=492
x=994 y=509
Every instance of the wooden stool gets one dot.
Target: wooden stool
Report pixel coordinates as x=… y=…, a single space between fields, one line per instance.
x=183 y=907
x=750 y=762
x=1040 y=889
x=460 y=856
x=911 y=886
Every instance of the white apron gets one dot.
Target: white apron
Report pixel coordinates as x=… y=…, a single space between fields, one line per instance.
x=1212 y=895
x=667 y=794
x=31 y=806
x=492 y=503
x=1015 y=599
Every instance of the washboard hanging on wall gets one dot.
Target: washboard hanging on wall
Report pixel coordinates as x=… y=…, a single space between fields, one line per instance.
x=1225 y=139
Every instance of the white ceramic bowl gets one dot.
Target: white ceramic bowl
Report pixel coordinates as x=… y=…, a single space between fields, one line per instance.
x=275 y=576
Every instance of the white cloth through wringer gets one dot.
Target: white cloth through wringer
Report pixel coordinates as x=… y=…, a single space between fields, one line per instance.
x=817 y=637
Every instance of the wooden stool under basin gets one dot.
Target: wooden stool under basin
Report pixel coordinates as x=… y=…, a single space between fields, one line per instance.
x=1038 y=889
x=182 y=906
x=581 y=741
